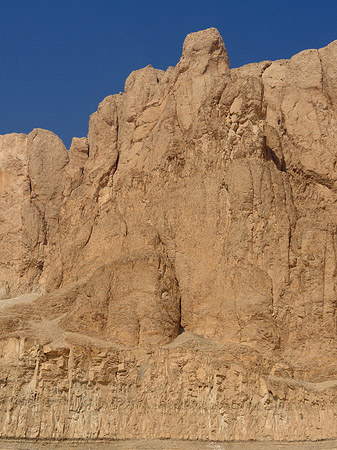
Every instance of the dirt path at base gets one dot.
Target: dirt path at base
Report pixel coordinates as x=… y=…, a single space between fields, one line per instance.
x=165 y=445
x=25 y=298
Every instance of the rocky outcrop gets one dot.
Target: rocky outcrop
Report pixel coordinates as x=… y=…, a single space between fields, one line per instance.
x=183 y=256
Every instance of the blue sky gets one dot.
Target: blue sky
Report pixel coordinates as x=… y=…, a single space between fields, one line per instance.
x=60 y=58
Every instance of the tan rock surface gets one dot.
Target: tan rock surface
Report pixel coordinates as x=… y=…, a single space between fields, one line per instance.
x=184 y=255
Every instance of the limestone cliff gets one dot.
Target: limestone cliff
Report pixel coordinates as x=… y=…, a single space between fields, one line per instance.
x=183 y=258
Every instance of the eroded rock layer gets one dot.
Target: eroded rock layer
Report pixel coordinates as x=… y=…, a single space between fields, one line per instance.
x=183 y=258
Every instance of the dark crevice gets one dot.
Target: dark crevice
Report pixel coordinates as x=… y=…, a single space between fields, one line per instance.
x=117 y=161
x=88 y=238
x=117 y=147
x=117 y=127
x=280 y=163
x=270 y=155
x=181 y=328
x=265 y=67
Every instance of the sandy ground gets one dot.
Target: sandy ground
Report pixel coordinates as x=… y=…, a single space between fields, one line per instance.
x=165 y=445
x=25 y=298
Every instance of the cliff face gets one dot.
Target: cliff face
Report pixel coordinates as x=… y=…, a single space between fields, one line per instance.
x=182 y=256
